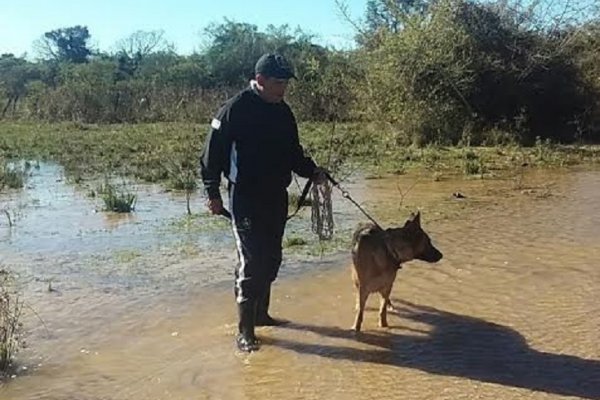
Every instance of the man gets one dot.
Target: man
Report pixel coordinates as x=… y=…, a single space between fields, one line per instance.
x=254 y=142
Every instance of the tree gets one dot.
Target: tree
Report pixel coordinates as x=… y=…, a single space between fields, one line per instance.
x=466 y=64
x=136 y=47
x=15 y=73
x=233 y=50
x=66 y=44
x=142 y=43
x=389 y=16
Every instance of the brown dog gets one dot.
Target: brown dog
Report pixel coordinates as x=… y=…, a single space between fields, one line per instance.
x=378 y=254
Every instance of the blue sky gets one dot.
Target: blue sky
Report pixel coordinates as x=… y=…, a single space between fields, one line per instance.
x=24 y=21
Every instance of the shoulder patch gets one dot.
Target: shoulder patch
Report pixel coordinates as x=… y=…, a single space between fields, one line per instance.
x=215 y=123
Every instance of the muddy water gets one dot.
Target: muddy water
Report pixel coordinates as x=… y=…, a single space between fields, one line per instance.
x=53 y=217
x=511 y=312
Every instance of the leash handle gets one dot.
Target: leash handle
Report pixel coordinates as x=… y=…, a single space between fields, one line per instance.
x=302 y=197
x=225 y=213
x=333 y=181
x=305 y=191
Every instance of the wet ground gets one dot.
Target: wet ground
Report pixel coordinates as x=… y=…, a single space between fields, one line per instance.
x=141 y=306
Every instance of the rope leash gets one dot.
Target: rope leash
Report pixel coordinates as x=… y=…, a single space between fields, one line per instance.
x=346 y=195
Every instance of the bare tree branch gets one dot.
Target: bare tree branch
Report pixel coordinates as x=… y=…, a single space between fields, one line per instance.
x=342 y=7
x=142 y=43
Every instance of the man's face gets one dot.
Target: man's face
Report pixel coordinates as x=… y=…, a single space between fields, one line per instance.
x=273 y=89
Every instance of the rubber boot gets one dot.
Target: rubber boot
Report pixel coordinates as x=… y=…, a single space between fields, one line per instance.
x=246 y=340
x=262 y=311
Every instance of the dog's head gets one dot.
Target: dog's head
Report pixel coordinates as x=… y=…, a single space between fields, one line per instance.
x=411 y=242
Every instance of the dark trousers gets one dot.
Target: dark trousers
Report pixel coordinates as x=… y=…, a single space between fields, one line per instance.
x=259 y=219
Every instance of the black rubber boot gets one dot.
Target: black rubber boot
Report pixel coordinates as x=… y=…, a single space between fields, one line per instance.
x=262 y=311
x=246 y=340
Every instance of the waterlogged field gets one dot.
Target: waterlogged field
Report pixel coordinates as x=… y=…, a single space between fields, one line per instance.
x=140 y=304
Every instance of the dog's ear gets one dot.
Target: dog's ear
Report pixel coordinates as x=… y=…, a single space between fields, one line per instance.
x=414 y=220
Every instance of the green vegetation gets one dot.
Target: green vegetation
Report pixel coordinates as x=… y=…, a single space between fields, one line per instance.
x=446 y=71
x=11 y=176
x=449 y=86
x=11 y=308
x=294 y=241
x=116 y=199
x=168 y=153
x=431 y=84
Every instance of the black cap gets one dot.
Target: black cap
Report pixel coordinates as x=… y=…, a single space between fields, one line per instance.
x=274 y=66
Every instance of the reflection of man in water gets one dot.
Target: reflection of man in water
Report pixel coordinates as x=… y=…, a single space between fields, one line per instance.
x=254 y=142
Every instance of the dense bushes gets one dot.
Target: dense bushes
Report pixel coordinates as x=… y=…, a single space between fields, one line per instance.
x=445 y=71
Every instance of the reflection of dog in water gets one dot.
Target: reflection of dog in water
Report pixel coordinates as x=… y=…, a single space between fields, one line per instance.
x=377 y=255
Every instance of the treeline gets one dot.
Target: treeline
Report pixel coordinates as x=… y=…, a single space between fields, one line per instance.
x=445 y=71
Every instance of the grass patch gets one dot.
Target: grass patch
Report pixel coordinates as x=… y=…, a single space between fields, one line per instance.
x=199 y=223
x=13 y=176
x=473 y=164
x=11 y=307
x=168 y=153
x=125 y=256
x=294 y=241
x=115 y=199
x=183 y=176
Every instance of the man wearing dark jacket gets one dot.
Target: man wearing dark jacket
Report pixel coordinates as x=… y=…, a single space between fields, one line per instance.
x=253 y=141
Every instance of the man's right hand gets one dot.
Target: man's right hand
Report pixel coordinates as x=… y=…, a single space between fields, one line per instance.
x=215 y=206
x=320 y=175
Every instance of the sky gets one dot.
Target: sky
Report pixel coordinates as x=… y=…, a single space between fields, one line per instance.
x=24 y=21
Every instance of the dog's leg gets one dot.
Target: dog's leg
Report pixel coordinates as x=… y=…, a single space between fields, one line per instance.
x=383 y=307
x=389 y=305
x=356 y=287
x=361 y=300
x=357 y=302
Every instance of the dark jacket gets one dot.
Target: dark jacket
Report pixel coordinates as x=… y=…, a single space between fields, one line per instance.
x=254 y=144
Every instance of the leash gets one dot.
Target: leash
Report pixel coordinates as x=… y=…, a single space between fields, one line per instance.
x=346 y=195
x=225 y=213
x=302 y=198
x=335 y=184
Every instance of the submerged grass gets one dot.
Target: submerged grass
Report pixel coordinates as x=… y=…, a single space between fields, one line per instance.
x=11 y=308
x=116 y=199
x=199 y=223
x=13 y=175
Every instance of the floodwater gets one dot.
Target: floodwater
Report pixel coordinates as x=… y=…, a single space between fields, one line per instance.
x=141 y=308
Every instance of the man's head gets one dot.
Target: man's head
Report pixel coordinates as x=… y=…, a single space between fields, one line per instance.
x=273 y=72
